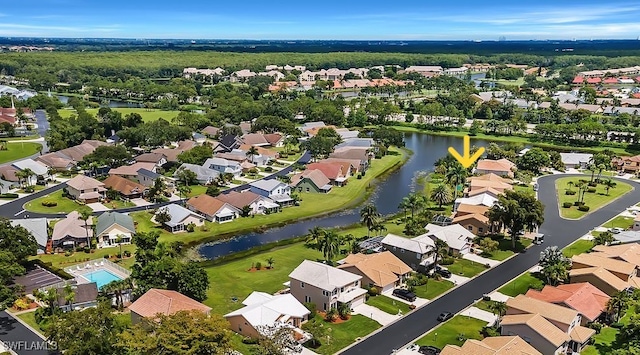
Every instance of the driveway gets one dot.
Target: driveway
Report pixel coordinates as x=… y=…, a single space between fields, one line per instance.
x=478 y=259
x=141 y=202
x=418 y=302
x=379 y=316
x=477 y=313
x=98 y=207
x=19 y=338
x=557 y=231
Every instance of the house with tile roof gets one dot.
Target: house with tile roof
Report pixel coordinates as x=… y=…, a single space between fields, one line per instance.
x=131 y=171
x=630 y=165
x=562 y=318
x=254 y=139
x=211 y=131
x=58 y=162
x=159 y=159
x=480 y=184
x=180 y=218
x=502 y=345
x=336 y=172
x=275 y=139
x=360 y=154
x=599 y=277
x=8 y=173
x=213 y=209
x=417 y=253
x=536 y=331
x=311 y=181
x=258 y=204
x=163 y=302
x=456 y=236
x=383 y=270
x=325 y=285
x=621 y=269
x=72 y=232
x=476 y=223
x=114 y=228
x=625 y=252
x=126 y=188
x=86 y=189
x=263 y=311
x=500 y=167
x=223 y=166
x=204 y=175
x=583 y=297
x=486 y=200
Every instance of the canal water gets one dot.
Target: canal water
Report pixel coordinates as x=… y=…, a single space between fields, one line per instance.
x=387 y=195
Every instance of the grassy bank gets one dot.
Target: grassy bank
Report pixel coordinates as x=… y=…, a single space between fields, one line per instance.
x=18 y=150
x=147 y=114
x=594 y=200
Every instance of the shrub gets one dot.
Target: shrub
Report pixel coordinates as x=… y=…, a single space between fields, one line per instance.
x=489 y=332
x=617 y=325
x=29 y=189
x=127 y=253
x=253 y=171
x=591 y=189
x=268 y=169
x=331 y=315
x=373 y=291
x=567 y=204
x=49 y=203
x=67 y=253
x=583 y=208
x=593 y=184
x=249 y=340
x=258 y=265
x=311 y=307
x=191 y=227
x=578 y=203
x=597 y=326
x=9 y=195
x=87 y=249
x=118 y=255
x=21 y=304
x=570 y=192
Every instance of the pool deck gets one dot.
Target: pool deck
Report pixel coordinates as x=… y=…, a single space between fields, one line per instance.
x=93 y=266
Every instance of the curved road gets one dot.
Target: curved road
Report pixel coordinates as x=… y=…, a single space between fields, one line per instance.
x=558 y=231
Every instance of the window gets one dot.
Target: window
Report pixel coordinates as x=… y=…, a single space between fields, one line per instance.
x=418 y=256
x=480 y=230
x=302 y=285
x=356 y=283
x=341 y=289
x=470 y=228
x=402 y=250
x=307 y=189
x=324 y=306
x=307 y=298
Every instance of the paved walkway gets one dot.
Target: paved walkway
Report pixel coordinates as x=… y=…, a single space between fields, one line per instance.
x=458 y=280
x=498 y=297
x=379 y=316
x=477 y=313
x=479 y=259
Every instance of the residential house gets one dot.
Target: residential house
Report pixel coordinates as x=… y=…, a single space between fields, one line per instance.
x=39 y=170
x=625 y=252
x=502 y=345
x=500 y=167
x=211 y=131
x=458 y=238
x=575 y=160
x=484 y=190
x=72 y=231
x=171 y=154
x=84 y=296
x=254 y=139
x=223 y=166
x=337 y=173
x=325 y=285
x=599 y=277
x=198 y=138
x=308 y=125
x=362 y=143
x=86 y=189
x=492 y=181
x=275 y=139
x=58 y=162
x=114 y=228
x=131 y=171
x=241 y=75
x=147 y=177
x=257 y=204
x=565 y=319
x=213 y=209
x=158 y=159
x=263 y=311
x=629 y=165
x=227 y=143
x=537 y=331
x=65 y=159
x=157 y=302
x=38 y=227
x=5 y=186
x=126 y=188
x=180 y=218
x=383 y=270
x=476 y=223
x=360 y=154
x=481 y=200
x=8 y=173
x=621 y=269
x=241 y=155
x=583 y=297
x=311 y=181
x=274 y=189
x=353 y=164
x=417 y=253
x=204 y=175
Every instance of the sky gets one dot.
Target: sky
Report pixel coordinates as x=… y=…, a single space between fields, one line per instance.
x=328 y=19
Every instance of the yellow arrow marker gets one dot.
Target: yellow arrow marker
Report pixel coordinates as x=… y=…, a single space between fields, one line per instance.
x=465 y=159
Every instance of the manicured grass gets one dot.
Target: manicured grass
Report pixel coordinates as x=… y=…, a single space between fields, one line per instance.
x=528 y=188
x=602 y=342
x=337 y=199
x=450 y=331
x=197 y=190
x=484 y=305
x=619 y=222
x=61 y=261
x=118 y=204
x=17 y=151
x=30 y=319
x=521 y=285
x=65 y=205
x=35 y=188
x=593 y=200
x=343 y=334
x=238 y=345
x=578 y=247
x=388 y=304
x=233 y=279
x=433 y=288
x=466 y=268
x=147 y=114
x=504 y=249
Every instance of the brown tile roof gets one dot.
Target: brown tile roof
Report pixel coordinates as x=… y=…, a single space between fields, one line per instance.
x=540 y=325
x=8 y=172
x=581 y=334
x=132 y=170
x=583 y=297
x=316 y=176
x=355 y=163
x=254 y=139
x=474 y=216
x=186 y=145
x=524 y=304
x=72 y=226
x=490 y=177
x=206 y=204
x=157 y=301
x=482 y=190
x=55 y=160
x=273 y=138
x=495 y=165
x=382 y=268
x=501 y=345
x=627 y=252
x=601 y=274
x=171 y=154
x=332 y=171
x=351 y=153
x=124 y=186
x=601 y=260
x=82 y=182
x=496 y=185
x=153 y=157
x=239 y=199
x=464 y=209
x=211 y=130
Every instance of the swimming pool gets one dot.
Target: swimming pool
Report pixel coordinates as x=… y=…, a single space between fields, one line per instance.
x=101 y=277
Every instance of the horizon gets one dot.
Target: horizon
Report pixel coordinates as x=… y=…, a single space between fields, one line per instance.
x=293 y=21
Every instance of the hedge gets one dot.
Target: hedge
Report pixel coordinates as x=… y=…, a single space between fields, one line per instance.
x=9 y=195
x=49 y=203
x=583 y=208
x=570 y=192
x=567 y=204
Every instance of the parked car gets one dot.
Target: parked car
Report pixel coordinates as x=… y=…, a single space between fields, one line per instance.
x=445 y=316
x=442 y=272
x=535 y=187
x=413 y=347
x=616 y=230
x=404 y=294
x=429 y=350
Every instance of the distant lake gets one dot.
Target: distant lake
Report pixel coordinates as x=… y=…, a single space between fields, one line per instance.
x=112 y=103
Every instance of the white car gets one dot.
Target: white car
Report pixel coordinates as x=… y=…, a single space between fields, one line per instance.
x=616 y=230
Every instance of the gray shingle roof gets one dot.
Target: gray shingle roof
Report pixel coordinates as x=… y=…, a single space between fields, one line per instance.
x=178 y=214
x=37 y=227
x=108 y=219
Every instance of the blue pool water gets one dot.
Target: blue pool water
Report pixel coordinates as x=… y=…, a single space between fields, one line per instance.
x=101 y=277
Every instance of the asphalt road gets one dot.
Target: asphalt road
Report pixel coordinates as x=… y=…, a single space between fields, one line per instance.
x=19 y=338
x=557 y=231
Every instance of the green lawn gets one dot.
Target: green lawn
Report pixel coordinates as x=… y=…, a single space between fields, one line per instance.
x=118 y=204
x=504 y=248
x=388 y=305
x=433 y=288
x=593 y=200
x=147 y=114
x=65 y=205
x=30 y=319
x=17 y=151
x=484 y=305
x=602 y=342
x=619 y=222
x=521 y=285
x=197 y=190
x=466 y=268
x=342 y=335
x=61 y=261
x=450 y=331
x=578 y=247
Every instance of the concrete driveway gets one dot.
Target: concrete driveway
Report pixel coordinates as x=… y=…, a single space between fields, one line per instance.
x=479 y=259
x=477 y=313
x=141 y=202
x=379 y=316
x=98 y=207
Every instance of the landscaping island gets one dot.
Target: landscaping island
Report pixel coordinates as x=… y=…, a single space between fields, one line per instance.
x=577 y=197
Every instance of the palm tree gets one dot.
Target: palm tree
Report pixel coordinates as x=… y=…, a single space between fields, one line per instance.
x=456 y=175
x=85 y=215
x=601 y=168
x=69 y=295
x=609 y=184
x=28 y=173
x=499 y=309
x=440 y=252
x=555 y=266
x=617 y=303
x=571 y=184
x=404 y=205
x=21 y=177
x=270 y=261
x=369 y=216
x=442 y=195
x=603 y=238
x=253 y=151
x=329 y=244
x=119 y=239
x=183 y=190
x=315 y=234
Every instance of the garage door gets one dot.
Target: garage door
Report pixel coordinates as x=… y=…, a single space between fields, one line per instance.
x=357 y=301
